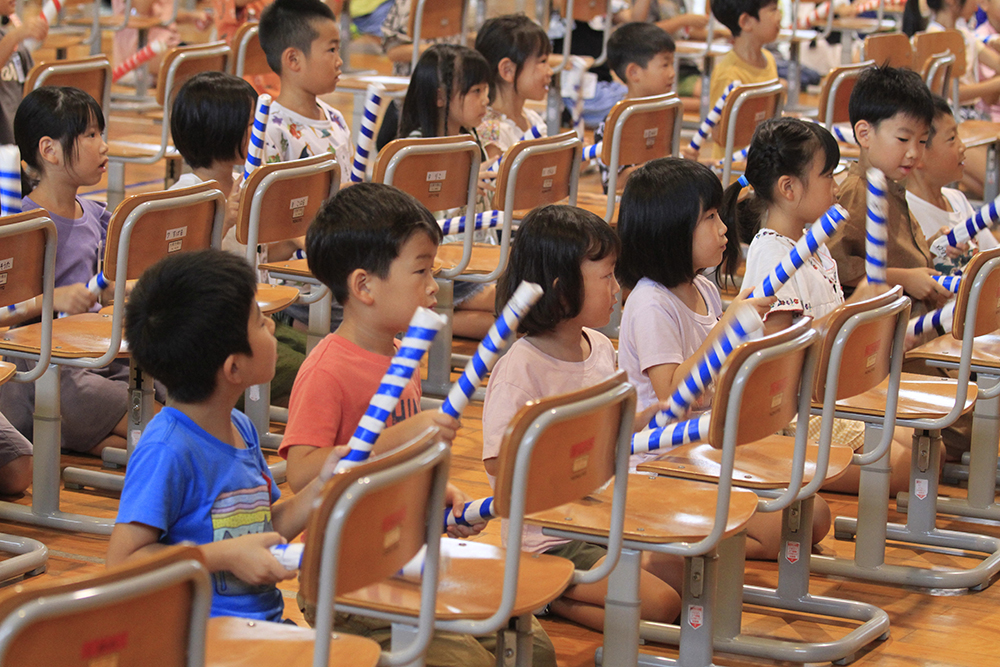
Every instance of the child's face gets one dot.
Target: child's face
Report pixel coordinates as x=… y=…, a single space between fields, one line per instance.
x=259 y=366
x=767 y=25
x=323 y=62
x=656 y=78
x=534 y=79
x=91 y=161
x=709 y=241
x=895 y=145
x=409 y=285
x=944 y=156
x=819 y=190
x=600 y=290
x=469 y=110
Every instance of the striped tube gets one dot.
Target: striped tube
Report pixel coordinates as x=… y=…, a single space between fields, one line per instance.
x=810 y=242
x=289 y=555
x=413 y=570
x=680 y=433
x=486 y=219
x=299 y=254
x=816 y=15
x=711 y=119
x=876 y=233
x=255 y=151
x=98 y=283
x=746 y=322
x=10 y=180
x=980 y=220
x=741 y=154
x=950 y=283
x=366 y=140
x=499 y=335
x=590 y=152
x=50 y=11
x=140 y=57
x=533 y=132
x=844 y=136
x=940 y=319
x=423 y=327
x=18 y=308
x=477 y=511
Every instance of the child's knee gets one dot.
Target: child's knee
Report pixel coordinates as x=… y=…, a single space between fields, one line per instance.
x=659 y=602
x=822 y=520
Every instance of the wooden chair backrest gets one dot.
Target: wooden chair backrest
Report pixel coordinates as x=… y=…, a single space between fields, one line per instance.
x=759 y=101
x=929 y=44
x=22 y=258
x=867 y=352
x=583 y=10
x=889 y=48
x=843 y=79
x=435 y=170
x=162 y=230
x=988 y=312
x=96 y=627
x=646 y=134
x=249 y=56
x=442 y=18
x=571 y=457
x=386 y=527
x=286 y=205
x=186 y=61
x=91 y=75
x=545 y=177
x=770 y=395
x=937 y=72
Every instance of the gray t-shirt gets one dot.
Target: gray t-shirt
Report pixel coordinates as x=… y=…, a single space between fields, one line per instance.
x=12 y=76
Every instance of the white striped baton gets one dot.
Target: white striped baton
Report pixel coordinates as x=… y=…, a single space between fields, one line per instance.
x=941 y=319
x=255 y=151
x=950 y=283
x=810 y=242
x=484 y=220
x=98 y=283
x=419 y=336
x=876 y=234
x=499 y=335
x=962 y=233
x=843 y=136
x=477 y=511
x=533 y=132
x=10 y=180
x=50 y=10
x=679 y=433
x=140 y=57
x=366 y=139
x=816 y=15
x=592 y=151
x=712 y=118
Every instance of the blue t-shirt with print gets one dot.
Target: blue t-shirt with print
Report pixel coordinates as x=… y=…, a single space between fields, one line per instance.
x=194 y=487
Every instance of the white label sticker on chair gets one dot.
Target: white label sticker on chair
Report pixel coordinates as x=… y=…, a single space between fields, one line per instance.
x=549 y=171
x=580 y=454
x=254 y=392
x=174 y=246
x=6 y=264
x=759 y=116
x=696 y=615
x=649 y=134
x=436 y=175
x=298 y=202
x=391 y=531
x=792 y=551
x=920 y=489
x=871 y=354
x=3 y=278
x=178 y=233
x=134 y=434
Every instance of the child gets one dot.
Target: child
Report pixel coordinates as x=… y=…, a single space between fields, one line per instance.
x=517 y=50
x=642 y=55
x=671 y=232
x=16 y=63
x=790 y=166
x=301 y=40
x=935 y=207
x=891 y=112
x=374 y=247
x=572 y=254
x=209 y=121
x=197 y=474
x=58 y=132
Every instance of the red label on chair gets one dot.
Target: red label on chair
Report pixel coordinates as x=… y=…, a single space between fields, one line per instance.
x=792 y=551
x=696 y=615
x=920 y=489
x=104 y=645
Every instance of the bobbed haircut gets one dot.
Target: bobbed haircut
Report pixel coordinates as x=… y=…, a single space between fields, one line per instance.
x=638 y=43
x=290 y=23
x=780 y=147
x=209 y=118
x=941 y=109
x=450 y=69
x=513 y=36
x=728 y=12
x=363 y=227
x=186 y=315
x=882 y=92
x=61 y=113
x=552 y=242
x=660 y=208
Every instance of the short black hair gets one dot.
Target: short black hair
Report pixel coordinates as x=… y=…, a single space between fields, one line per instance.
x=638 y=43
x=941 y=109
x=660 y=208
x=448 y=68
x=286 y=23
x=728 y=12
x=363 y=227
x=209 y=118
x=186 y=315
x=62 y=113
x=513 y=36
x=552 y=242
x=882 y=92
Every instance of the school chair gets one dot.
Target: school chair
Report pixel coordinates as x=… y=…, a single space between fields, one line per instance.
x=980 y=463
x=279 y=202
x=834 y=96
x=927 y=405
x=91 y=75
x=855 y=355
x=851 y=27
x=62 y=35
x=143 y=230
x=937 y=73
x=432 y=20
x=747 y=106
x=761 y=386
x=572 y=11
x=179 y=65
x=250 y=58
x=556 y=450
x=889 y=48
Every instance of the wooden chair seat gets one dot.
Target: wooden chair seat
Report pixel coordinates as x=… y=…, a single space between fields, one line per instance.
x=648 y=518
x=63 y=40
x=597 y=204
x=232 y=642
x=7 y=371
x=862 y=25
x=765 y=464
x=978 y=132
x=555 y=61
x=291 y=267
x=138 y=149
x=113 y=21
x=272 y=298
x=985 y=353
x=360 y=84
x=484 y=259
x=471 y=586
x=920 y=397
x=87 y=335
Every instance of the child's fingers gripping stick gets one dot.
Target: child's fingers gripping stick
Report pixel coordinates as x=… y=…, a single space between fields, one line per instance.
x=950 y=283
x=366 y=138
x=289 y=555
x=982 y=219
x=50 y=11
x=423 y=327
x=712 y=118
x=499 y=335
x=940 y=319
x=533 y=132
x=255 y=151
x=876 y=234
x=477 y=511
x=10 y=180
x=680 y=433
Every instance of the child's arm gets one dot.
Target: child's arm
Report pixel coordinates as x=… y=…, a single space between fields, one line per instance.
x=71 y=299
x=919 y=284
x=34 y=28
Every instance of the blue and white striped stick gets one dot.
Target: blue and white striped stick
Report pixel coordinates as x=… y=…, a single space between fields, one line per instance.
x=255 y=151
x=366 y=139
x=20 y=308
x=477 y=511
x=950 y=283
x=876 y=234
x=843 y=136
x=962 y=233
x=484 y=220
x=497 y=338
x=741 y=154
x=533 y=132
x=419 y=336
x=95 y=286
x=941 y=319
x=299 y=254
x=10 y=180
x=711 y=119
x=679 y=433
x=592 y=151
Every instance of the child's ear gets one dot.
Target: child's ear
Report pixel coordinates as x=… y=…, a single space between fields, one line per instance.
x=507 y=70
x=632 y=71
x=292 y=59
x=746 y=22
x=231 y=370
x=785 y=187
x=49 y=150
x=359 y=286
x=864 y=130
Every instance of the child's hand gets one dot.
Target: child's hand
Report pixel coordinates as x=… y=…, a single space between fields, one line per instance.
x=455 y=500
x=919 y=284
x=689 y=153
x=446 y=424
x=35 y=28
x=247 y=557
x=761 y=303
x=867 y=290
x=232 y=207
x=330 y=465
x=953 y=252
x=693 y=20
x=644 y=417
x=73 y=299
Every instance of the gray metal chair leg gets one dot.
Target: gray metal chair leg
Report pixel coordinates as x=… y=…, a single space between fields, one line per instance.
x=438 y=380
x=402 y=636
x=621 y=612
x=29 y=561
x=116 y=183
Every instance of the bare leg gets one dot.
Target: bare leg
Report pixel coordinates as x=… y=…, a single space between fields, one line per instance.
x=474 y=317
x=15 y=477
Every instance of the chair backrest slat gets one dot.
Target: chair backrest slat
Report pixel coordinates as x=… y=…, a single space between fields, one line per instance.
x=435 y=170
x=546 y=176
x=250 y=58
x=928 y=44
x=840 y=83
x=988 y=311
x=646 y=133
x=22 y=259
x=889 y=48
x=91 y=75
x=183 y=62
x=751 y=104
x=441 y=19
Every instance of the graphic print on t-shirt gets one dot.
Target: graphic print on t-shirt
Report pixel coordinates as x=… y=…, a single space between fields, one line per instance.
x=236 y=513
